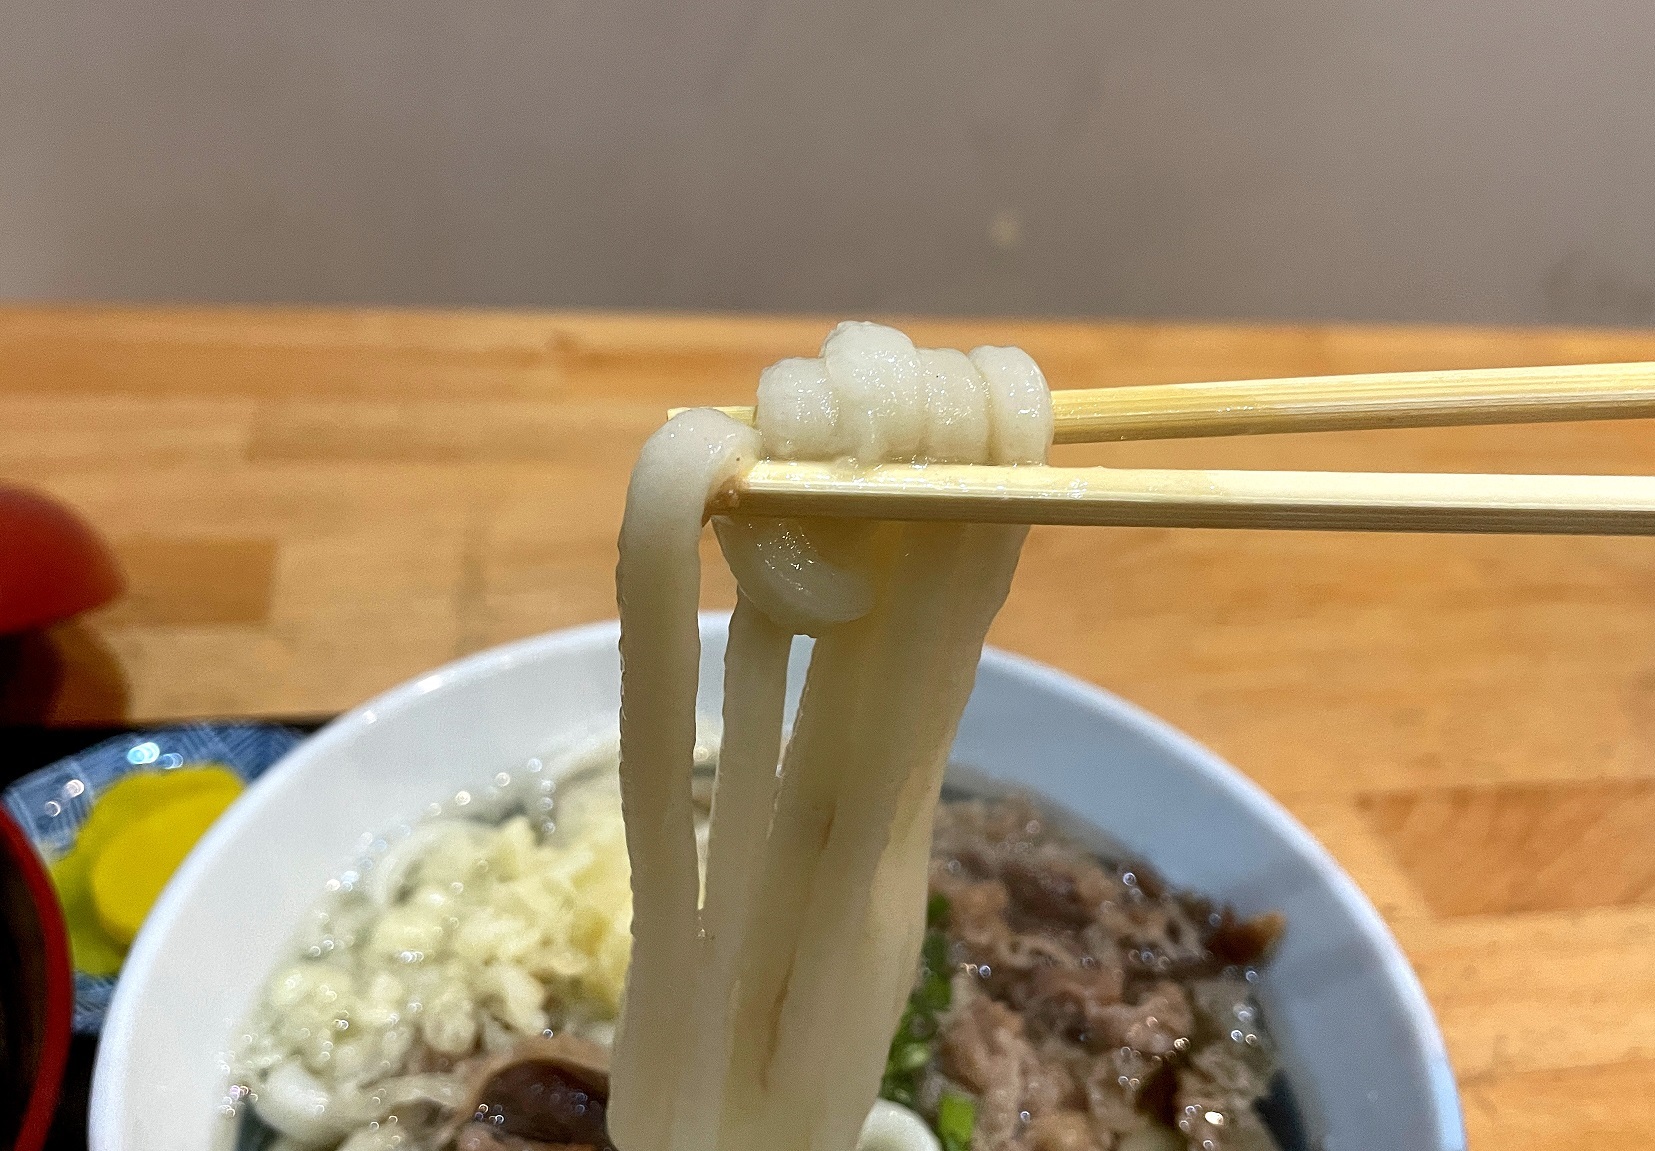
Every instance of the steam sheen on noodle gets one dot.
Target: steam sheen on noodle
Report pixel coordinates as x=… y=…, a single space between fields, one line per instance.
x=758 y=1018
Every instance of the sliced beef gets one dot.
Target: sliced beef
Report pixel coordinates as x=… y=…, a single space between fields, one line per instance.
x=1073 y=1022
x=1158 y=1024
x=1072 y=1001
x=1064 y=1130
x=985 y=1047
x=1053 y=887
x=976 y=915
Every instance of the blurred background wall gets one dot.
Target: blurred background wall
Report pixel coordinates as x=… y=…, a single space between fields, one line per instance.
x=1380 y=159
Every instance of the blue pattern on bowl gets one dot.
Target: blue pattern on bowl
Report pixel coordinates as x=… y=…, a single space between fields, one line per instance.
x=51 y=804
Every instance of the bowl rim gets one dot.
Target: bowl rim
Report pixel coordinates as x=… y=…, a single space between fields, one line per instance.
x=38 y=1112
x=1423 y=1034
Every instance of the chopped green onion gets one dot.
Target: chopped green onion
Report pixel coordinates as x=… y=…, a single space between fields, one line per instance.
x=914 y=1045
x=956 y=1116
x=912 y=1057
x=934 y=954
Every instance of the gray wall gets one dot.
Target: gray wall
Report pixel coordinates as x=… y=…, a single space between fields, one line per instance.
x=1387 y=159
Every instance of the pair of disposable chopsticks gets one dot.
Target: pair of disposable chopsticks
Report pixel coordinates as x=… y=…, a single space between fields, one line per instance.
x=1355 y=501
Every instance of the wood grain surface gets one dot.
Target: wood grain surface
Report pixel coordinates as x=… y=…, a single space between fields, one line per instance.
x=314 y=505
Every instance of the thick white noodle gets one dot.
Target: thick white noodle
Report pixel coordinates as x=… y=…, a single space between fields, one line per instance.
x=784 y=568
x=761 y=1021
x=879 y=390
x=755 y=683
x=1020 y=405
x=957 y=405
x=797 y=415
x=658 y=584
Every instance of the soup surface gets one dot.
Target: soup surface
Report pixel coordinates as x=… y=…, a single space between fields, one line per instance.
x=458 y=988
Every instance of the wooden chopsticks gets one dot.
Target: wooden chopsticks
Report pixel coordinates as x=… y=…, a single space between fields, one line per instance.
x=1344 y=403
x=1348 y=501
x=1121 y=497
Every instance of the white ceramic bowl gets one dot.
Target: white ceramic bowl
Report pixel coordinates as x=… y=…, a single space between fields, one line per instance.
x=1361 y=1049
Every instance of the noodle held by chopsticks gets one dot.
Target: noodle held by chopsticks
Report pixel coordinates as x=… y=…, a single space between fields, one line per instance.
x=760 y=1019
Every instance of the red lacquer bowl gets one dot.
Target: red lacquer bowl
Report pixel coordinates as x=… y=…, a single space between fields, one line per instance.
x=52 y=564
x=36 y=993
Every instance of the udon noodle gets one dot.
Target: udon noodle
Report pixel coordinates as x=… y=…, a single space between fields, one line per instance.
x=759 y=1016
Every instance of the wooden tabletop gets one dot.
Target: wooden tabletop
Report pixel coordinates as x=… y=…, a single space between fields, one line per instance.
x=314 y=505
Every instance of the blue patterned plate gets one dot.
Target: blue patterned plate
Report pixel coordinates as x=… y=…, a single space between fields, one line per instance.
x=51 y=804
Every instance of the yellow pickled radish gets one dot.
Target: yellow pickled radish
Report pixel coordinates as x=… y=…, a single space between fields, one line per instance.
x=126 y=801
x=134 y=796
x=94 y=952
x=138 y=858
